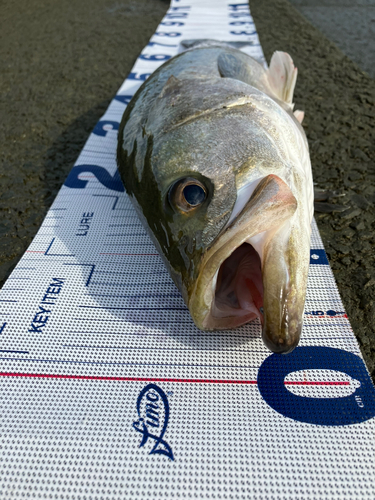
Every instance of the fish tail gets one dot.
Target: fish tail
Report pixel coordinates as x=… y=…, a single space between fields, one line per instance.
x=162 y=447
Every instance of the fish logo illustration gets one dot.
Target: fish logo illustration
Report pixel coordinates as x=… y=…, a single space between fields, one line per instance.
x=153 y=411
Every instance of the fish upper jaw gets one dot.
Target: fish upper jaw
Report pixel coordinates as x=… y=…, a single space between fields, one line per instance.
x=270 y=273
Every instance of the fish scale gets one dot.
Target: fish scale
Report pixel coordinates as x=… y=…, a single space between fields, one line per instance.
x=242 y=422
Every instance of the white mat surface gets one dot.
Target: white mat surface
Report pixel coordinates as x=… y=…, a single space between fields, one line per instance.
x=95 y=337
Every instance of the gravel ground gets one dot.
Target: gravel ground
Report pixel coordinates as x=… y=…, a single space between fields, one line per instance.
x=62 y=62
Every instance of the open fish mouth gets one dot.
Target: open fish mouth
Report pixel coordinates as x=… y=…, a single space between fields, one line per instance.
x=231 y=291
x=239 y=289
x=257 y=268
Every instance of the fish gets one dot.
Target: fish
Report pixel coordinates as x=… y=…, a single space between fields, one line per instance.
x=217 y=166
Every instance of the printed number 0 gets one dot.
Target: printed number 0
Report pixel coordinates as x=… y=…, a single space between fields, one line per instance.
x=319 y=411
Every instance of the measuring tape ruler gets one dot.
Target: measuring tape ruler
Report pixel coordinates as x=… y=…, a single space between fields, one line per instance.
x=109 y=390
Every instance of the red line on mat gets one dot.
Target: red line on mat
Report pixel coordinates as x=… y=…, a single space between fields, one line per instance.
x=150 y=379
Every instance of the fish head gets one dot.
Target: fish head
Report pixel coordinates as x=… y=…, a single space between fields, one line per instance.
x=220 y=189
x=182 y=201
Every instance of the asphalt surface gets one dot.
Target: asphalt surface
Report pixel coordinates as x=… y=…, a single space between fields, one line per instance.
x=350 y=24
x=61 y=62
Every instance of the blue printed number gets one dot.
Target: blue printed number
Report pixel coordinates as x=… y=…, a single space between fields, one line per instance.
x=238 y=6
x=240 y=23
x=177 y=16
x=353 y=409
x=138 y=76
x=125 y=99
x=152 y=44
x=102 y=127
x=154 y=57
x=236 y=15
x=172 y=23
x=100 y=173
x=173 y=34
x=242 y=33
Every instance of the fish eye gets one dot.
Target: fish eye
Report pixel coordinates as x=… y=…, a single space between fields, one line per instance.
x=187 y=194
x=194 y=194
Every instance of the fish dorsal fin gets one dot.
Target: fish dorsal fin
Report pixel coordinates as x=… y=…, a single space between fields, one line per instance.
x=282 y=76
x=171 y=85
x=231 y=66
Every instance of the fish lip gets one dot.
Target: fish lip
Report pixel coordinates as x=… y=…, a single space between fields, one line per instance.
x=284 y=343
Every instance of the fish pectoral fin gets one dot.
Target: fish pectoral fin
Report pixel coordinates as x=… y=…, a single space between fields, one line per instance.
x=282 y=77
x=322 y=202
x=325 y=195
x=327 y=208
x=231 y=66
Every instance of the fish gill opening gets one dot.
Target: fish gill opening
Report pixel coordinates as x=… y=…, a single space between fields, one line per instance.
x=239 y=287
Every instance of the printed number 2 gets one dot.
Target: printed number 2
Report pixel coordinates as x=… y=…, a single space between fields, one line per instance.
x=103 y=176
x=319 y=411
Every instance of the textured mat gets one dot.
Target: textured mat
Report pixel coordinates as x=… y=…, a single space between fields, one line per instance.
x=110 y=391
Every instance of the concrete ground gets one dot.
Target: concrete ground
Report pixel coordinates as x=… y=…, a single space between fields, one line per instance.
x=61 y=62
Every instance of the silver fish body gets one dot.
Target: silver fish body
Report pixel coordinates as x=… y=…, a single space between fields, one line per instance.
x=217 y=166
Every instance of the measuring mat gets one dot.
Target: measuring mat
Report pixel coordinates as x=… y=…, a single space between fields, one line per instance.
x=109 y=391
